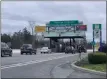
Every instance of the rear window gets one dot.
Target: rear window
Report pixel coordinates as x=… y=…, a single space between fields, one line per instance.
x=4 y=45
x=45 y=48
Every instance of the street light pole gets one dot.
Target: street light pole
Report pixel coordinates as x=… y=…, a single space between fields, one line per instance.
x=32 y=25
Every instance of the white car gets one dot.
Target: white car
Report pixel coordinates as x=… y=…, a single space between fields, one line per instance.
x=45 y=50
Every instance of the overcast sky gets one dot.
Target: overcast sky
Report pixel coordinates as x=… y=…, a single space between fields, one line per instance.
x=15 y=15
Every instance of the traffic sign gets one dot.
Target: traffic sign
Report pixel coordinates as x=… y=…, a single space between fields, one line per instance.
x=93 y=42
x=40 y=28
x=63 y=23
x=96 y=26
x=81 y=28
x=61 y=29
x=96 y=33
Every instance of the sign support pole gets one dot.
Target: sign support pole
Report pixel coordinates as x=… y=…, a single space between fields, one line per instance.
x=93 y=42
x=100 y=38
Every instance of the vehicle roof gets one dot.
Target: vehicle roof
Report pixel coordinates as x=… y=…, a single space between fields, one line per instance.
x=3 y=43
x=27 y=44
x=44 y=47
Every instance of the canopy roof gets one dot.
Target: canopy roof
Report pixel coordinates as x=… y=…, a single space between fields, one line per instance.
x=64 y=35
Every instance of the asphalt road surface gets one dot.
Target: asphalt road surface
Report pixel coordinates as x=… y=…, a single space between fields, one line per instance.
x=33 y=66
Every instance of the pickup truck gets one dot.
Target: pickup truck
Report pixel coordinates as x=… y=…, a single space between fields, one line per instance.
x=27 y=49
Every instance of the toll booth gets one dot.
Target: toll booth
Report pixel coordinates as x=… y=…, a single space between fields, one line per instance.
x=55 y=44
x=65 y=29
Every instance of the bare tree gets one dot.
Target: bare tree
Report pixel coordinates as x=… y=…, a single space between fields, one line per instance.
x=32 y=25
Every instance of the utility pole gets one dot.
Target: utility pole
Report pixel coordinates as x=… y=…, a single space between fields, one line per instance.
x=32 y=25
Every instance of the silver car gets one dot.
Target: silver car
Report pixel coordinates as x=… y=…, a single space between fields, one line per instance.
x=45 y=50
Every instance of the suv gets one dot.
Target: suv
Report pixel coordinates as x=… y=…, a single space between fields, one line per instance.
x=5 y=50
x=81 y=49
x=28 y=49
x=70 y=49
x=103 y=48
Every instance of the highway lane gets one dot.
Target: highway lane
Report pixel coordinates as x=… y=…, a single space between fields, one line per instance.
x=41 y=69
x=34 y=66
x=17 y=58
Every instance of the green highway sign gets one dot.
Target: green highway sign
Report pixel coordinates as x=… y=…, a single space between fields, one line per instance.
x=96 y=26
x=63 y=23
x=93 y=43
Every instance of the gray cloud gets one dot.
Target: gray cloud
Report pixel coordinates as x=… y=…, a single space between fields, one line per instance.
x=42 y=12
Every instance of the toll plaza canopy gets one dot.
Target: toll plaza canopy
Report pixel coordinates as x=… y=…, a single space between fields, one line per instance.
x=64 y=35
x=68 y=29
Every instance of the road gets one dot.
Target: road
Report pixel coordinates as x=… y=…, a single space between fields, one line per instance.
x=33 y=66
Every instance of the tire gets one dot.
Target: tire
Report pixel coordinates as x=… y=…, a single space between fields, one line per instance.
x=10 y=55
x=2 y=55
x=85 y=51
x=21 y=53
x=26 y=53
x=35 y=53
x=30 y=53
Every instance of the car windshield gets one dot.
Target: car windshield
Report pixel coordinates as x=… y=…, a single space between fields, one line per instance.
x=45 y=48
x=4 y=45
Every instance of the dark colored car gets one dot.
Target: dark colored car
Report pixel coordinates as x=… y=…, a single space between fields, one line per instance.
x=103 y=48
x=69 y=49
x=82 y=49
x=27 y=49
x=5 y=50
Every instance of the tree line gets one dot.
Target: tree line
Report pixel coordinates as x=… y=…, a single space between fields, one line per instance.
x=21 y=37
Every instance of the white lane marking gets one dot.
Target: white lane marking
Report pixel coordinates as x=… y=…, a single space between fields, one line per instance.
x=32 y=62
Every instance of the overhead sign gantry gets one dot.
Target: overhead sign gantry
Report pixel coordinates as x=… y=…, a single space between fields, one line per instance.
x=65 y=29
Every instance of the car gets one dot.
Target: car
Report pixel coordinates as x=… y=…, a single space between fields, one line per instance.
x=45 y=50
x=27 y=49
x=5 y=50
x=69 y=49
x=103 y=48
x=81 y=49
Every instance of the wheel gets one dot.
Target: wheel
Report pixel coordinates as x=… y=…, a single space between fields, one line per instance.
x=2 y=55
x=30 y=53
x=35 y=53
x=10 y=55
x=73 y=52
x=21 y=53
x=85 y=51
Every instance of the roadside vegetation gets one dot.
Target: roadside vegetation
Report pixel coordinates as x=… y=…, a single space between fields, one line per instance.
x=95 y=61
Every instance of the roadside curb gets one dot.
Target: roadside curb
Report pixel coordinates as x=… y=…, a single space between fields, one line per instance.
x=87 y=70
x=58 y=72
